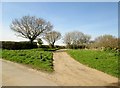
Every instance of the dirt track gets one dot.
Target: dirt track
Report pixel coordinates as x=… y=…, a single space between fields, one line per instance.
x=68 y=72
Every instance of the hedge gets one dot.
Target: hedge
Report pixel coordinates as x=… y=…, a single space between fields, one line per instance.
x=76 y=46
x=18 y=45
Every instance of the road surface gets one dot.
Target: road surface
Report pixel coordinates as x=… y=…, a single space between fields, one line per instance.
x=16 y=75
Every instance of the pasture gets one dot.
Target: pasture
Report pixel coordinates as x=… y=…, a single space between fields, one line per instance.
x=101 y=60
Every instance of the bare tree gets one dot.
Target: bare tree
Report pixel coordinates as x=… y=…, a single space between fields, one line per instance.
x=106 y=41
x=68 y=39
x=30 y=27
x=52 y=37
x=75 y=38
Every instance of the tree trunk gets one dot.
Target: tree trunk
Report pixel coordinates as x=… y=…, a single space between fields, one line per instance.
x=31 y=43
x=51 y=45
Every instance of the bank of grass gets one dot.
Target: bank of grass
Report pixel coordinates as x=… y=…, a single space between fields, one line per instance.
x=35 y=58
x=101 y=60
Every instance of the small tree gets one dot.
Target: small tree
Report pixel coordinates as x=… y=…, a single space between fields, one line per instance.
x=30 y=27
x=52 y=37
x=68 y=39
x=40 y=42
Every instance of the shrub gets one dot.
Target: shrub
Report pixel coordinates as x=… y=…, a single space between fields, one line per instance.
x=77 y=46
x=108 y=49
x=60 y=47
x=115 y=50
x=44 y=46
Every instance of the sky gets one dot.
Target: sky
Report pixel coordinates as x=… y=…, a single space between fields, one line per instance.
x=93 y=18
x=59 y=0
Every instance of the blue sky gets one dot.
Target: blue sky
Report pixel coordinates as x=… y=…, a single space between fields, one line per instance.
x=93 y=18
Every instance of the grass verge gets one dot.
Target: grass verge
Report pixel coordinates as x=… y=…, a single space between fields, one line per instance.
x=35 y=58
x=101 y=60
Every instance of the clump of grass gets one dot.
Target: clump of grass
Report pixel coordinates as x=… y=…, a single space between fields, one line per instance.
x=35 y=58
x=101 y=60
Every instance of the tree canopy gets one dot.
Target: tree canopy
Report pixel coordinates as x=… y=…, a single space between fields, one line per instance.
x=52 y=37
x=30 y=27
x=76 y=38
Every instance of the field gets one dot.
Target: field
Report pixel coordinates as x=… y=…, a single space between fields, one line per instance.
x=101 y=60
x=35 y=58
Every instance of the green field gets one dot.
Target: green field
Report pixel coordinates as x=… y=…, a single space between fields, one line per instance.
x=35 y=58
x=101 y=60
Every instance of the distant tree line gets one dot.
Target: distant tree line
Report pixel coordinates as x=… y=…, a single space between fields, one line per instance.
x=34 y=28
x=105 y=41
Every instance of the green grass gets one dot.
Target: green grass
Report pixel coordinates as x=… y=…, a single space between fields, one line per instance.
x=35 y=58
x=0 y=53
x=101 y=60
